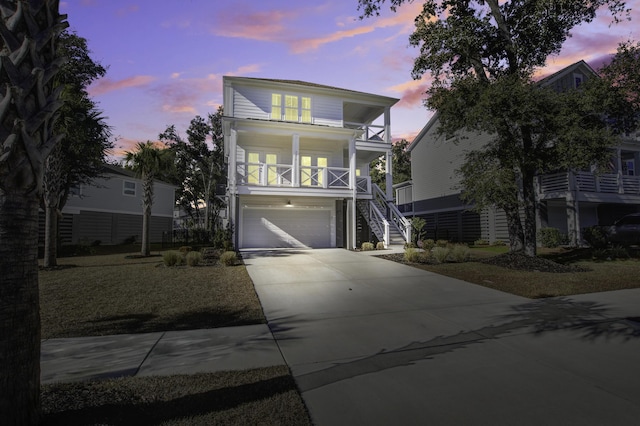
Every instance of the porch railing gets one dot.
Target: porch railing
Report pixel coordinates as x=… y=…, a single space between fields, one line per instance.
x=610 y=183
x=262 y=174
x=370 y=132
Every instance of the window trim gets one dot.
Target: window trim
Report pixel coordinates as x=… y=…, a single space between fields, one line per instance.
x=127 y=191
x=281 y=106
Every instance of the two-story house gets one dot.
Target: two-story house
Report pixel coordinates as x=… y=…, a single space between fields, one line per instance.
x=110 y=210
x=569 y=200
x=298 y=157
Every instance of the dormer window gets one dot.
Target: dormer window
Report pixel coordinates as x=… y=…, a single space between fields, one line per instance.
x=296 y=108
x=577 y=80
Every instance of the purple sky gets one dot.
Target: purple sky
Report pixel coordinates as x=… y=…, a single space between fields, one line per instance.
x=166 y=58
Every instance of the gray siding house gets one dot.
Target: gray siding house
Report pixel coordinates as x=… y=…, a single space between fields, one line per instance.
x=568 y=200
x=110 y=210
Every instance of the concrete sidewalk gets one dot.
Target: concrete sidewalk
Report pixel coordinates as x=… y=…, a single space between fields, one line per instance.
x=370 y=341
x=158 y=354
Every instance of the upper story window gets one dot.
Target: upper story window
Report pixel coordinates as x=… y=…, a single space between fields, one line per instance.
x=129 y=188
x=295 y=108
x=75 y=191
x=577 y=80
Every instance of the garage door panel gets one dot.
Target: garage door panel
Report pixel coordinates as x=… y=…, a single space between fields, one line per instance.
x=286 y=228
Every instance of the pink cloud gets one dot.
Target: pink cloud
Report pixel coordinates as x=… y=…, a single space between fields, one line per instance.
x=128 y=10
x=124 y=145
x=301 y=46
x=412 y=92
x=263 y=26
x=106 y=85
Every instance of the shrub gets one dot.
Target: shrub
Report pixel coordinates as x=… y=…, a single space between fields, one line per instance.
x=412 y=255
x=550 y=237
x=184 y=249
x=499 y=243
x=380 y=245
x=440 y=254
x=228 y=258
x=619 y=252
x=171 y=258
x=480 y=242
x=409 y=245
x=417 y=223
x=460 y=253
x=194 y=258
x=595 y=236
x=442 y=243
x=367 y=246
x=427 y=245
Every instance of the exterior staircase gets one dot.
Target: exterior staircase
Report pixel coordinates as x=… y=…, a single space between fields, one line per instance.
x=384 y=218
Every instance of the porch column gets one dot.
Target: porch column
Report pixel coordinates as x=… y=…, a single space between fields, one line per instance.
x=232 y=172
x=295 y=160
x=389 y=154
x=351 y=206
x=573 y=213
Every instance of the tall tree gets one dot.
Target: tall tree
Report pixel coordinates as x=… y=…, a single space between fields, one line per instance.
x=80 y=156
x=199 y=166
x=478 y=49
x=149 y=162
x=29 y=103
x=401 y=165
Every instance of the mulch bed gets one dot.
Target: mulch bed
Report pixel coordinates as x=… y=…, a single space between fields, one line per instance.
x=522 y=262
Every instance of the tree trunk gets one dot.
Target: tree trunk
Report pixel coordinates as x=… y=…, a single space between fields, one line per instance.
x=50 y=237
x=19 y=309
x=529 y=198
x=514 y=225
x=146 y=246
x=147 y=203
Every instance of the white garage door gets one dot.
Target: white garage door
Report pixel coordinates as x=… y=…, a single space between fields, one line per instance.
x=286 y=228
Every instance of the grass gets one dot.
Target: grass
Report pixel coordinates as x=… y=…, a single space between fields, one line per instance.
x=102 y=295
x=260 y=396
x=602 y=275
x=116 y=294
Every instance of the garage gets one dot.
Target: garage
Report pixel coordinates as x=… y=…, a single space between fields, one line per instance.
x=286 y=227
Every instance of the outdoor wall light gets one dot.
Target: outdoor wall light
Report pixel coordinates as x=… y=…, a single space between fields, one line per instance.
x=289 y=204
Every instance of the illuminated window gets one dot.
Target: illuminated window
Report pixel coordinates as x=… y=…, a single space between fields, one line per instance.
x=291 y=108
x=305 y=172
x=272 y=170
x=276 y=106
x=322 y=163
x=253 y=168
x=305 y=112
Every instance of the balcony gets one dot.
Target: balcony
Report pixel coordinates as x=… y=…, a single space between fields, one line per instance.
x=555 y=185
x=264 y=175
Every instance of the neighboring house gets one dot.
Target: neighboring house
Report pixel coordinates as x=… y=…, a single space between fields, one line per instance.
x=298 y=159
x=110 y=210
x=569 y=201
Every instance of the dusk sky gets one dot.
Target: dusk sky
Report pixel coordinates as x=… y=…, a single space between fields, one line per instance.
x=166 y=59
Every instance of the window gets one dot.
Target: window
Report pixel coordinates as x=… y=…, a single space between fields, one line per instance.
x=305 y=172
x=309 y=175
x=305 y=112
x=129 y=188
x=577 y=80
x=272 y=169
x=75 y=191
x=276 y=106
x=253 y=168
x=296 y=108
x=629 y=167
x=322 y=163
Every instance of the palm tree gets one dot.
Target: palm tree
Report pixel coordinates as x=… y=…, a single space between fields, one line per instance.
x=148 y=162
x=29 y=102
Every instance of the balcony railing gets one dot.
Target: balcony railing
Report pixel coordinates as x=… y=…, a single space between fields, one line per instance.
x=609 y=183
x=370 y=132
x=282 y=175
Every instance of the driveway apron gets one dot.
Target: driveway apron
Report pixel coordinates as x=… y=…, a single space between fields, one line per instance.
x=370 y=341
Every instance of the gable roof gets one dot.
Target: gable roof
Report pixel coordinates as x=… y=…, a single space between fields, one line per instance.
x=544 y=82
x=389 y=100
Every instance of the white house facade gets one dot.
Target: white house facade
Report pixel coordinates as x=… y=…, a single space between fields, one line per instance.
x=298 y=159
x=568 y=200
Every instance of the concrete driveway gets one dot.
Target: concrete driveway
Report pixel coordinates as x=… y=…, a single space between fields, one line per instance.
x=370 y=341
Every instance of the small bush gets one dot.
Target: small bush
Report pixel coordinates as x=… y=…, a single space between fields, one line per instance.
x=498 y=243
x=550 y=237
x=442 y=243
x=619 y=252
x=171 y=258
x=380 y=245
x=228 y=258
x=427 y=245
x=595 y=236
x=460 y=253
x=367 y=246
x=409 y=245
x=184 y=249
x=194 y=258
x=440 y=254
x=480 y=242
x=412 y=255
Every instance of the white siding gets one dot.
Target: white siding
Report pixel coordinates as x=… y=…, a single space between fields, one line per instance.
x=254 y=102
